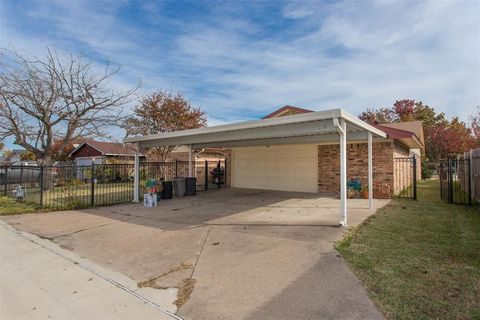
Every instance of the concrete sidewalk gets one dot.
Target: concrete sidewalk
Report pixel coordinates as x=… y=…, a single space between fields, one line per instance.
x=39 y=280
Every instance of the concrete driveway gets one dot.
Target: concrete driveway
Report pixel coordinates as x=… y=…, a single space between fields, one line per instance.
x=252 y=254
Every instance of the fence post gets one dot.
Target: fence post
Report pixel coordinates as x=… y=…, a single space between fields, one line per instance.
x=218 y=174
x=41 y=186
x=472 y=180
x=225 y=173
x=450 y=181
x=5 y=181
x=206 y=174
x=414 y=178
x=92 y=195
x=21 y=174
x=469 y=181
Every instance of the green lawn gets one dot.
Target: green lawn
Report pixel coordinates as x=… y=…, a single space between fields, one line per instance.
x=9 y=206
x=419 y=259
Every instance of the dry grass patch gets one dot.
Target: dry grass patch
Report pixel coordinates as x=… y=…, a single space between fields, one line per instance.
x=185 y=291
x=152 y=283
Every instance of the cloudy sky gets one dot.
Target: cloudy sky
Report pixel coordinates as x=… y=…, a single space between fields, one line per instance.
x=240 y=60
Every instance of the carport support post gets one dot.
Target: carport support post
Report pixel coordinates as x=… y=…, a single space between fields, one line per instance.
x=343 y=172
x=189 y=160
x=370 y=171
x=136 y=176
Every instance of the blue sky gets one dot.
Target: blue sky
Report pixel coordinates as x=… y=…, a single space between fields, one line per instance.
x=240 y=60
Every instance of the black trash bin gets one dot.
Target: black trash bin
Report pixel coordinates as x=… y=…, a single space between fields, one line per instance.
x=191 y=186
x=167 y=192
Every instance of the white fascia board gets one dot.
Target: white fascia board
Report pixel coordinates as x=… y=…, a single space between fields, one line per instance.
x=291 y=127
x=299 y=118
x=269 y=132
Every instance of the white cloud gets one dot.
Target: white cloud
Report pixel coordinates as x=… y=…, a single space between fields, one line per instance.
x=345 y=54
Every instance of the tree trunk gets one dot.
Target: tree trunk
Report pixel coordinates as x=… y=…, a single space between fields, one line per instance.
x=48 y=172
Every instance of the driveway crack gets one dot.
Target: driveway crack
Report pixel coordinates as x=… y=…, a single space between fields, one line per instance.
x=200 y=254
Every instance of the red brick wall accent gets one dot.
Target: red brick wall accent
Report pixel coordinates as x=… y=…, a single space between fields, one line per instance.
x=357 y=167
x=228 y=159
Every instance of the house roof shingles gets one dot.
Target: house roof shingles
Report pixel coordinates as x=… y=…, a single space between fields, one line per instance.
x=108 y=148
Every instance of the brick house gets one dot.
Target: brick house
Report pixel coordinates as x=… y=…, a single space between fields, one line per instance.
x=100 y=152
x=391 y=176
x=299 y=150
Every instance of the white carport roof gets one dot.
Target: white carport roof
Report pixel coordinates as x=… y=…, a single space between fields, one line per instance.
x=329 y=126
x=314 y=127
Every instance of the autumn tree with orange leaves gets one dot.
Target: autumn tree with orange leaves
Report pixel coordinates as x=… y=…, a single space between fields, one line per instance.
x=164 y=112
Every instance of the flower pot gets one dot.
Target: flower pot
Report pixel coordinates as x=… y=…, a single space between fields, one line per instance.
x=365 y=194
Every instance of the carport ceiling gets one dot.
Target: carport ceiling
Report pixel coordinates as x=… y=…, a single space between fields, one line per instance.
x=314 y=127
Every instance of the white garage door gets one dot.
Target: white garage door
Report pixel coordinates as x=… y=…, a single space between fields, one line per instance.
x=287 y=168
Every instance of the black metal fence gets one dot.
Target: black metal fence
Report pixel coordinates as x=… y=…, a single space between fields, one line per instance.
x=71 y=186
x=405 y=178
x=455 y=181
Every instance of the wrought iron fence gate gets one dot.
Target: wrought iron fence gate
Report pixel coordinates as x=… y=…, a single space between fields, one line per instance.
x=72 y=186
x=455 y=181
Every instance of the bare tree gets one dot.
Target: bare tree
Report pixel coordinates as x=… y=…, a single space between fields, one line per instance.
x=57 y=98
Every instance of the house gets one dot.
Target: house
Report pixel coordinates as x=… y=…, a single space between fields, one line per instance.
x=180 y=153
x=295 y=149
x=101 y=152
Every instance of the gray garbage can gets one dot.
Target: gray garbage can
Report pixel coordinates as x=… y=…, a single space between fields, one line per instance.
x=179 y=186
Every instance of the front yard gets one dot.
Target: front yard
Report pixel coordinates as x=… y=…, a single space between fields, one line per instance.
x=9 y=206
x=419 y=259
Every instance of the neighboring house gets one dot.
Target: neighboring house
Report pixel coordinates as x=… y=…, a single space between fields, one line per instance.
x=200 y=158
x=100 y=152
x=180 y=153
x=14 y=157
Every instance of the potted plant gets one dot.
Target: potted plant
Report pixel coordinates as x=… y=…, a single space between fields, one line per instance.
x=365 y=192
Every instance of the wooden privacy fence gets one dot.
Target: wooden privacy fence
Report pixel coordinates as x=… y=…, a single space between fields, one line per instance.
x=474 y=156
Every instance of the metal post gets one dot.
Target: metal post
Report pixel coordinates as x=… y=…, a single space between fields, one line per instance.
x=470 y=174
x=225 y=173
x=450 y=181
x=370 y=171
x=469 y=180
x=136 y=176
x=92 y=190
x=21 y=174
x=414 y=178
x=176 y=168
x=206 y=174
x=5 y=181
x=41 y=186
x=343 y=172
x=189 y=160
x=218 y=174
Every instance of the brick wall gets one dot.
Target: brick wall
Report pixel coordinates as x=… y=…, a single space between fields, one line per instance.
x=228 y=159
x=357 y=167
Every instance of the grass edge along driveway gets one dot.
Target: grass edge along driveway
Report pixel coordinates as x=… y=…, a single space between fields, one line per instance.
x=419 y=259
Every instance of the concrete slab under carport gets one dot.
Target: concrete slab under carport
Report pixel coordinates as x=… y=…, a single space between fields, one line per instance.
x=254 y=253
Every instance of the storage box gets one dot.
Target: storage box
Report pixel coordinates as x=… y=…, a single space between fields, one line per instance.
x=149 y=200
